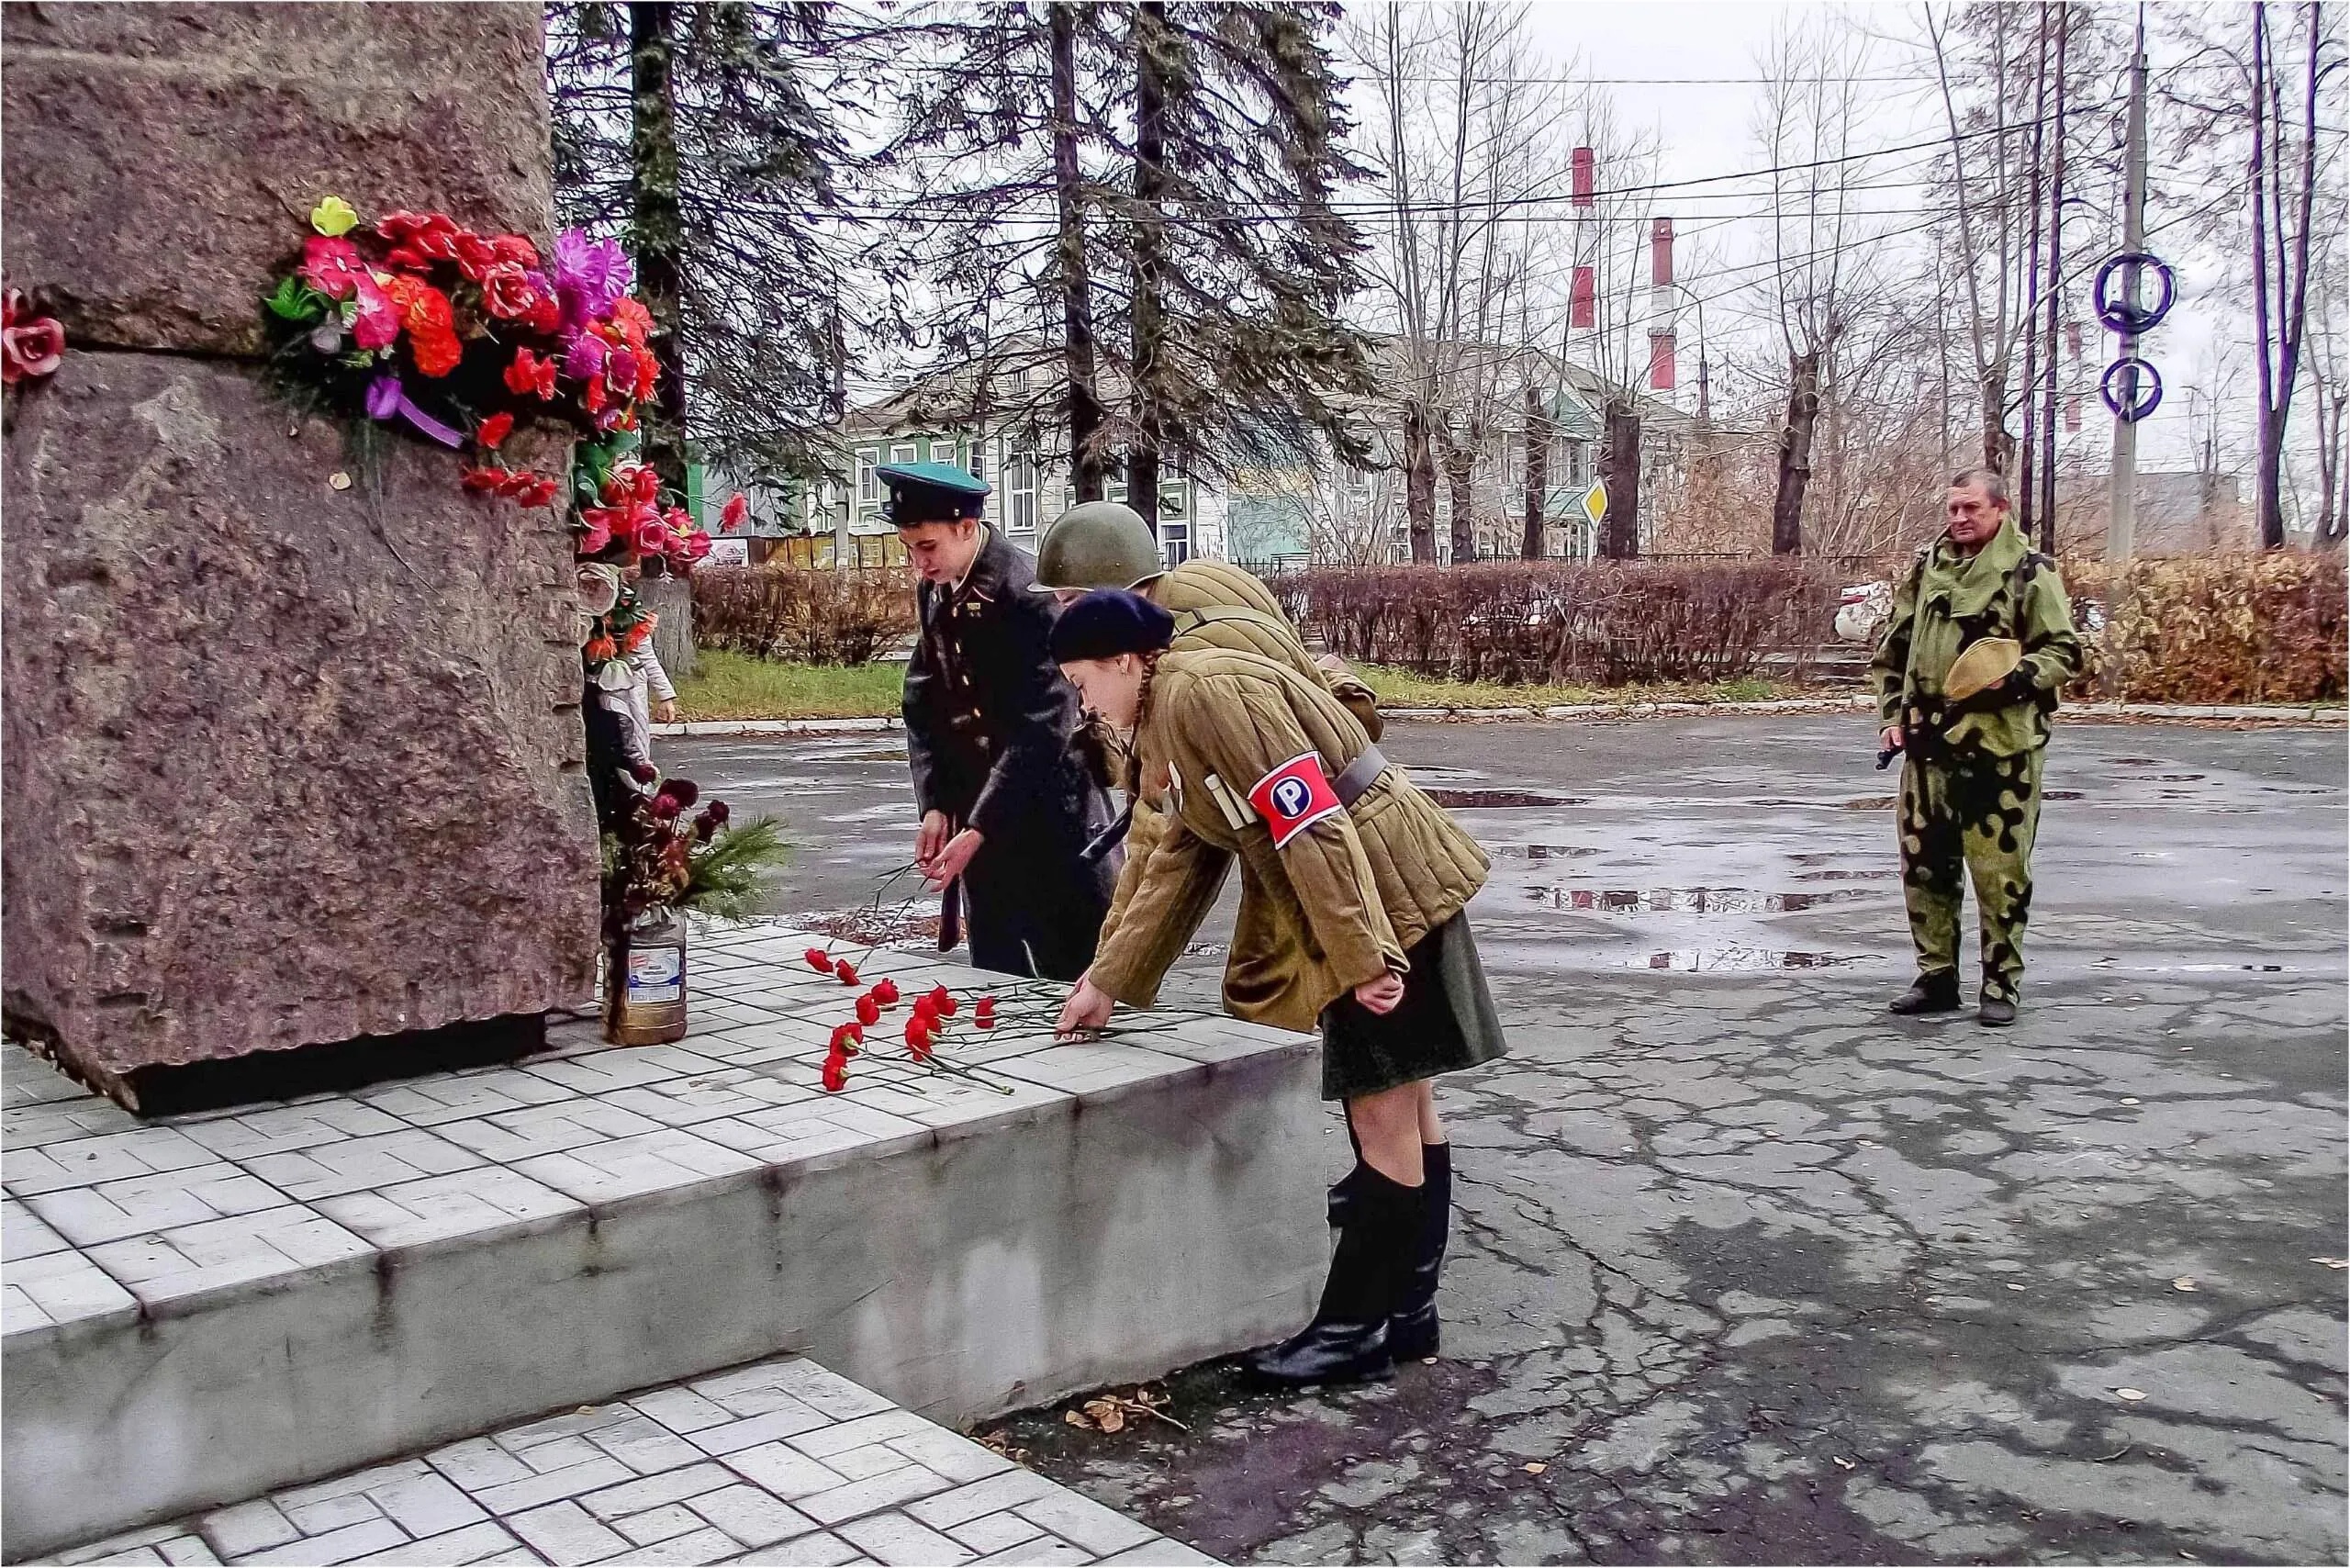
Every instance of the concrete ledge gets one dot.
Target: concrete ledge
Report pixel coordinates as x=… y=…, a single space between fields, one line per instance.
x=779 y=1455
x=203 y=1310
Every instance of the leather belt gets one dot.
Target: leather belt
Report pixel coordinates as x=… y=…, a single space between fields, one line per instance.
x=1358 y=776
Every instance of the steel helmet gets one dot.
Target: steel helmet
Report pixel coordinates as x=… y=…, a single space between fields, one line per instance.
x=1098 y=545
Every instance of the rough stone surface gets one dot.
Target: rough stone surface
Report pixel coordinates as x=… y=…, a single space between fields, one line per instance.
x=161 y=160
x=288 y=763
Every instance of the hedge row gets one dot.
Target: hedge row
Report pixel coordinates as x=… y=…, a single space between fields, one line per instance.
x=2266 y=628
x=1600 y=624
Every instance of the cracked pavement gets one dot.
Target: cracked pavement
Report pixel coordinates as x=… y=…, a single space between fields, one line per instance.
x=1745 y=1269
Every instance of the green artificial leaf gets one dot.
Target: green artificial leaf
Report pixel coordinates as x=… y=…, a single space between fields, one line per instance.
x=295 y=301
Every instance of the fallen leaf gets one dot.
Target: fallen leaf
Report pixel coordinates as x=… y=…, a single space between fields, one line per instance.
x=2131 y=1394
x=2184 y=1283
x=1537 y=1468
x=2110 y=1458
x=2129 y=1100
x=2333 y=1262
x=339 y=480
x=2014 y=1287
x=1077 y=1419
x=1840 y=1462
x=1109 y=1414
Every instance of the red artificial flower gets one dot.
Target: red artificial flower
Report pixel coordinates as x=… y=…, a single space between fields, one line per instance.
x=847 y=1037
x=419 y=240
x=886 y=993
x=333 y=267
x=653 y=538
x=836 y=1074
x=490 y=479
x=631 y=321
x=30 y=344
x=920 y=1042
x=640 y=634
x=425 y=312
x=545 y=315
x=846 y=972
x=663 y=807
x=735 y=514
x=697 y=545
x=601 y=648
x=819 y=960
x=529 y=373
x=867 y=1010
x=643 y=772
x=516 y=248
x=591 y=395
x=475 y=255
x=942 y=1002
x=537 y=491
x=595 y=538
x=507 y=291
x=983 y=1021
x=493 y=429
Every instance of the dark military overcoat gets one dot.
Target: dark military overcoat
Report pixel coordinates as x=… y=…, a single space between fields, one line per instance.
x=992 y=732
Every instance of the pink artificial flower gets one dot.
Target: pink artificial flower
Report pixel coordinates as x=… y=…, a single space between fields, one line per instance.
x=30 y=344
x=377 y=325
x=333 y=267
x=736 y=512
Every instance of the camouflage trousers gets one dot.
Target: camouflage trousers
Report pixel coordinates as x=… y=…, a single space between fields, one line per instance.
x=1970 y=816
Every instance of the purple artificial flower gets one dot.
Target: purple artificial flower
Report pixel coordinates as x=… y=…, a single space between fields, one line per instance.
x=584 y=359
x=624 y=368
x=589 y=276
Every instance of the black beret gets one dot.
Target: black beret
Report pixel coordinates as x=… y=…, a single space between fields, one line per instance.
x=1107 y=622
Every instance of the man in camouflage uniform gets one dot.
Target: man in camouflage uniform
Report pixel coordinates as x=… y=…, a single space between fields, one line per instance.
x=1970 y=783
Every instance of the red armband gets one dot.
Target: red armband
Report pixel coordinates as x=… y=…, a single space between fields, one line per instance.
x=1294 y=797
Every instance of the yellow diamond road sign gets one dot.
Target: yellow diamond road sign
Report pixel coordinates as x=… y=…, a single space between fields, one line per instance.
x=1595 y=501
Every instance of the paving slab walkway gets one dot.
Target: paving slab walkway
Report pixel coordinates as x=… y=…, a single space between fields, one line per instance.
x=777 y=1461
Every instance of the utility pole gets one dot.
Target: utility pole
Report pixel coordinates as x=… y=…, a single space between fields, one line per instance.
x=2055 y=295
x=2121 y=498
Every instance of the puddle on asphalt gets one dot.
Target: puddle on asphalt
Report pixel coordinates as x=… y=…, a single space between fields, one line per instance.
x=2108 y=967
x=2136 y=762
x=1739 y=960
x=1687 y=901
x=1887 y=875
x=1887 y=802
x=1462 y=798
x=1541 y=851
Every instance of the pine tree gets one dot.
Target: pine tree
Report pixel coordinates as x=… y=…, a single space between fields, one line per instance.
x=1153 y=229
x=700 y=133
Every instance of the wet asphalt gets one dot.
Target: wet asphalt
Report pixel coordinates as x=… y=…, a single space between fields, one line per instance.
x=1746 y=1271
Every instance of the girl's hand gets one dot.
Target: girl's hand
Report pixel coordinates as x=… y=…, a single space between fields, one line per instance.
x=1381 y=995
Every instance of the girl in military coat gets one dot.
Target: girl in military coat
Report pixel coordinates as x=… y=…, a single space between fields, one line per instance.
x=1352 y=888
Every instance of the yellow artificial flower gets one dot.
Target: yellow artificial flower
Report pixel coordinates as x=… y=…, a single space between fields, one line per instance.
x=333 y=217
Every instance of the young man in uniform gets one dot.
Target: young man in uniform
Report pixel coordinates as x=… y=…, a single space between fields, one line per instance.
x=1009 y=801
x=1979 y=643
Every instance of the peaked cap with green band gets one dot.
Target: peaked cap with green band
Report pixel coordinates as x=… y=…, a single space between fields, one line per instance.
x=931 y=492
x=1098 y=545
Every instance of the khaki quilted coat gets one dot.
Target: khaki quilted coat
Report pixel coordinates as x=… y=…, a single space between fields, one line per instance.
x=1338 y=906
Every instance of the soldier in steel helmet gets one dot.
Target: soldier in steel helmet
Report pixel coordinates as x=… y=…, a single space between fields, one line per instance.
x=1353 y=888
x=1979 y=643
x=1009 y=800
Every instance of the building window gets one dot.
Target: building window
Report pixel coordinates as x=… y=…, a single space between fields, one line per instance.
x=942 y=450
x=1020 y=484
x=869 y=483
x=904 y=452
x=978 y=457
x=1174 y=541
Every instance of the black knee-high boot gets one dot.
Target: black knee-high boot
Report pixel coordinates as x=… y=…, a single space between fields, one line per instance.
x=1346 y=1341
x=1412 y=1330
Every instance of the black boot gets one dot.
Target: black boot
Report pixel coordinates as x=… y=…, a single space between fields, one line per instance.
x=1346 y=1341
x=1412 y=1327
x=1935 y=992
x=1994 y=1011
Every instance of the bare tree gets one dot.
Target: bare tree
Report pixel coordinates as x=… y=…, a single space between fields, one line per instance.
x=2284 y=194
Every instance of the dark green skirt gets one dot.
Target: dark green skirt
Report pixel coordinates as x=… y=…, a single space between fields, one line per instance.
x=1445 y=1022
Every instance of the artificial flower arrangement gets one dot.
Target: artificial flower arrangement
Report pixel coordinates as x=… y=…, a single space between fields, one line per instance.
x=459 y=336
